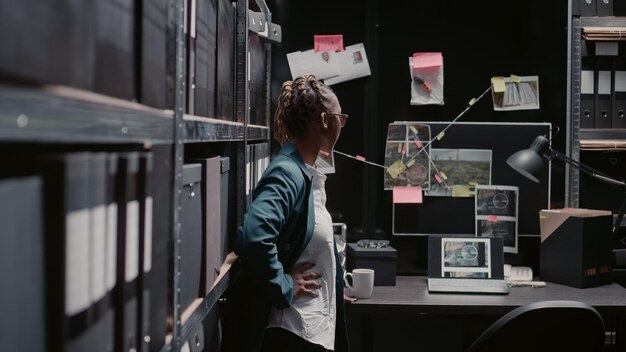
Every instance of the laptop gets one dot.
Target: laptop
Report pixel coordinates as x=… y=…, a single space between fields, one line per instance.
x=466 y=265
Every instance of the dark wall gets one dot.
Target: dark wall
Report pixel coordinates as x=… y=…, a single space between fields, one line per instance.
x=478 y=40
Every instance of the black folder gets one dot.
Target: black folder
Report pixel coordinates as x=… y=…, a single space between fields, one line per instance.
x=154 y=83
x=587 y=7
x=22 y=303
x=618 y=120
x=587 y=93
x=98 y=206
x=205 y=41
x=156 y=280
x=146 y=165
x=111 y=175
x=603 y=97
x=115 y=48
x=66 y=241
x=225 y=96
x=125 y=297
x=604 y=7
x=191 y=234
x=190 y=39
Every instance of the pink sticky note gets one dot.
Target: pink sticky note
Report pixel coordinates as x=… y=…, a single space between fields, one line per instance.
x=492 y=218
x=403 y=148
x=417 y=143
x=358 y=157
x=438 y=178
x=407 y=195
x=324 y=153
x=328 y=42
x=426 y=60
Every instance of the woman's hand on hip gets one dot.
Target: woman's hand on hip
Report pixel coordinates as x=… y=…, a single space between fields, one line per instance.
x=304 y=282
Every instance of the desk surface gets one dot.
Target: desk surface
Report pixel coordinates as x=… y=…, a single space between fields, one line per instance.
x=410 y=295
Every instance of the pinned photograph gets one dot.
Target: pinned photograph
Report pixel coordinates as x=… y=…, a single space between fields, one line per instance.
x=458 y=168
x=515 y=93
x=406 y=158
x=497 y=214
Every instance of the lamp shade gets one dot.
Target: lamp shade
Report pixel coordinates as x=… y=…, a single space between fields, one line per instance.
x=529 y=162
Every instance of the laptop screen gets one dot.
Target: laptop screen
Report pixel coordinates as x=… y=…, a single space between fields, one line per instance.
x=465 y=257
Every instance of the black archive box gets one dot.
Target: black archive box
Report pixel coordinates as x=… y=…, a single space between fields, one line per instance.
x=381 y=260
x=576 y=247
x=191 y=234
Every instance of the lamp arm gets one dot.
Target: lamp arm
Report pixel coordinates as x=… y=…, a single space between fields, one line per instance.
x=596 y=174
x=588 y=170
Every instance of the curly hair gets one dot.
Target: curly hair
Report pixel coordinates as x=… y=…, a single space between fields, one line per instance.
x=297 y=103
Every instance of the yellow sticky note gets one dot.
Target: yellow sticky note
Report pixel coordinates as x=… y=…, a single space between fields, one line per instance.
x=472 y=183
x=498 y=84
x=440 y=135
x=413 y=129
x=461 y=191
x=443 y=174
x=399 y=147
x=396 y=169
x=543 y=215
x=472 y=102
x=516 y=79
x=410 y=163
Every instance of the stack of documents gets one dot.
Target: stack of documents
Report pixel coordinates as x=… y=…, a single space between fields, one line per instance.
x=603 y=144
x=604 y=33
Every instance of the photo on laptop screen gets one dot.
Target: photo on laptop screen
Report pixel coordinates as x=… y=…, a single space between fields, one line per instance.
x=463 y=258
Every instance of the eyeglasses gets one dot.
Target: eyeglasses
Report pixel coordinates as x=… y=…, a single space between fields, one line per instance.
x=342 y=117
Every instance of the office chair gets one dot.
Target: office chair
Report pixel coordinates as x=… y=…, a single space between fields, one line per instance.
x=545 y=326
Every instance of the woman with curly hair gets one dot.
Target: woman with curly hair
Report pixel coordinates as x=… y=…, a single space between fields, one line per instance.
x=289 y=293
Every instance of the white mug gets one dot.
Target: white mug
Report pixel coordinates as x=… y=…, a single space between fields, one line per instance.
x=362 y=282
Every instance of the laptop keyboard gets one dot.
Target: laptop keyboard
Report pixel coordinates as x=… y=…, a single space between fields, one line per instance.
x=468 y=285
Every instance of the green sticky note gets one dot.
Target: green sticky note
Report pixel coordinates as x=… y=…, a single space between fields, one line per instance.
x=462 y=191
x=498 y=84
x=396 y=169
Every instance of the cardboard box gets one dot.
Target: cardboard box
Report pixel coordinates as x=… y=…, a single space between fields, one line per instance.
x=382 y=260
x=576 y=247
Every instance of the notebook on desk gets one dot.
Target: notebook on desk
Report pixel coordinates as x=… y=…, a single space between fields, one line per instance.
x=466 y=265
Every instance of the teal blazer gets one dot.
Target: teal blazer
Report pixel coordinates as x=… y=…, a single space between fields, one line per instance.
x=275 y=230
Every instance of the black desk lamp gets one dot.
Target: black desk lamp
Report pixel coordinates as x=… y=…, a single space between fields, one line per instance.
x=529 y=162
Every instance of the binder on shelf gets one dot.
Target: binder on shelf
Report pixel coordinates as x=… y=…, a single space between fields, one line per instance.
x=110 y=271
x=66 y=242
x=191 y=234
x=190 y=40
x=115 y=48
x=125 y=297
x=588 y=8
x=225 y=214
x=205 y=42
x=211 y=224
x=100 y=302
x=618 y=120
x=587 y=93
x=604 y=7
x=22 y=256
x=225 y=89
x=156 y=280
x=154 y=82
x=146 y=165
x=603 y=97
